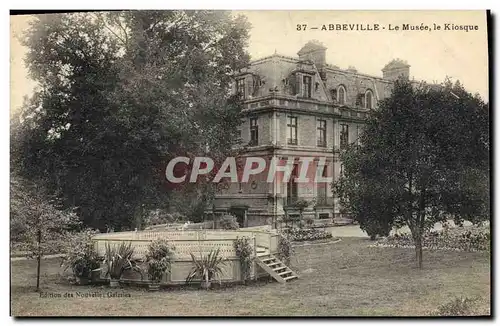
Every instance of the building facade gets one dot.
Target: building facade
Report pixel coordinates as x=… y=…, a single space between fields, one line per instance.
x=299 y=107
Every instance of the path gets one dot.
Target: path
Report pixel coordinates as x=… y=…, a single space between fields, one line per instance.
x=355 y=230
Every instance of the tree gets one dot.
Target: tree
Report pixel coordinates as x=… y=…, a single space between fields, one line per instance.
x=424 y=158
x=121 y=94
x=43 y=222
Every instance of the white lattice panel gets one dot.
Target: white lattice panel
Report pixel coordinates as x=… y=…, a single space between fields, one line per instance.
x=186 y=242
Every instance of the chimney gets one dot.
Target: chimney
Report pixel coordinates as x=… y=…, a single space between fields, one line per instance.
x=396 y=68
x=313 y=51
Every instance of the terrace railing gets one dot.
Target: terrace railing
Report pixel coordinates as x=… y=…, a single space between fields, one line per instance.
x=186 y=242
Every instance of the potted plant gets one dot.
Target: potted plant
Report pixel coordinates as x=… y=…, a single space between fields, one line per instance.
x=118 y=260
x=207 y=268
x=81 y=257
x=244 y=253
x=300 y=205
x=84 y=267
x=228 y=222
x=159 y=259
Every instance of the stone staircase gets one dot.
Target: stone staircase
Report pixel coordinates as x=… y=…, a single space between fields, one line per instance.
x=274 y=267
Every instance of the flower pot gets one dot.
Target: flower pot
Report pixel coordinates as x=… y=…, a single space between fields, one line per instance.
x=206 y=285
x=153 y=287
x=95 y=275
x=82 y=280
x=114 y=283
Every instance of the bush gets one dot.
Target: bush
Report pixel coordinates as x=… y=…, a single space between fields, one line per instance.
x=207 y=268
x=285 y=249
x=158 y=217
x=118 y=259
x=17 y=230
x=309 y=221
x=376 y=228
x=160 y=249
x=228 y=222
x=472 y=239
x=159 y=259
x=307 y=234
x=80 y=255
x=301 y=204
x=457 y=307
x=244 y=253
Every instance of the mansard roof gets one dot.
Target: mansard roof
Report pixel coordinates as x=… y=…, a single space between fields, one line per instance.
x=279 y=74
x=395 y=64
x=311 y=46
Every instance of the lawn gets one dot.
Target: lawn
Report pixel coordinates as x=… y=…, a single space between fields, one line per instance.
x=343 y=279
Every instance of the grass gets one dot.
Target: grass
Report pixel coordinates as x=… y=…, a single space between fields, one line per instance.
x=343 y=279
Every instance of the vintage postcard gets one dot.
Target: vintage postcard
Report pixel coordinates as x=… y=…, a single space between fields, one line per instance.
x=250 y=163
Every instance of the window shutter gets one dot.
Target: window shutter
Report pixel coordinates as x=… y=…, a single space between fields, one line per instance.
x=292 y=82
x=249 y=82
x=298 y=85
x=256 y=84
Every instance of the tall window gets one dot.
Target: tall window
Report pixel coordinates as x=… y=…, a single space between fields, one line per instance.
x=292 y=186
x=341 y=95
x=344 y=135
x=240 y=88
x=292 y=130
x=321 y=133
x=306 y=86
x=254 y=132
x=368 y=100
x=322 y=187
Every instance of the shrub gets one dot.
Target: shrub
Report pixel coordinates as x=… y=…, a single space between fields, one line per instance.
x=301 y=204
x=158 y=217
x=17 y=230
x=228 y=222
x=285 y=249
x=207 y=268
x=80 y=254
x=119 y=259
x=375 y=228
x=244 y=253
x=159 y=259
x=156 y=269
x=160 y=249
x=309 y=221
x=307 y=234
x=457 y=307
x=471 y=239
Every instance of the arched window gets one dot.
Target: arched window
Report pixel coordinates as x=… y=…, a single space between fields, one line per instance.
x=368 y=99
x=341 y=95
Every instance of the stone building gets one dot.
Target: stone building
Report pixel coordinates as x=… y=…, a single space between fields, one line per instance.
x=299 y=107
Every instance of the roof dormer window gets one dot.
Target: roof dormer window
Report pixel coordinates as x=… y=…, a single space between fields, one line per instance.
x=306 y=86
x=369 y=99
x=341 y=95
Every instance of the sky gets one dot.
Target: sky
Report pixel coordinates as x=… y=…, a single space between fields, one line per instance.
x=433 y=55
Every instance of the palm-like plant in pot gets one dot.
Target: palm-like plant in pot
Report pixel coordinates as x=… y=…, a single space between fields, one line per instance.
x=118 y=260
x=206 y=268
x=159 y=259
